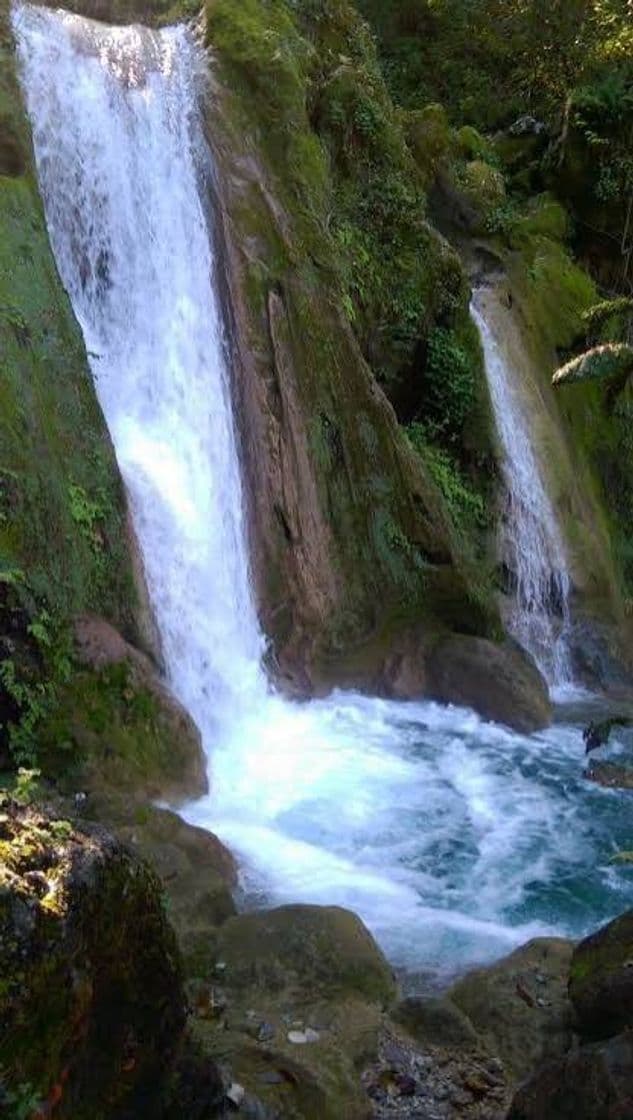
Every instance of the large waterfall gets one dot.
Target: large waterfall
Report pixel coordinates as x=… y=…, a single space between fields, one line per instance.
x=454 y=840
x=531 y=545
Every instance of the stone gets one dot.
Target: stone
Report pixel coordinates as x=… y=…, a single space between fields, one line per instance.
x=601 y=979
x=198 y=873
x=307 y=951
x=500 y=682
x=91 y=959
x=235 y=1094
x=501 y=1003
x=436 y=1022
x=592 y=1083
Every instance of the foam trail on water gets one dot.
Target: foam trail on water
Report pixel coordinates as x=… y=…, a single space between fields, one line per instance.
x=453 y=839
x=531 y=545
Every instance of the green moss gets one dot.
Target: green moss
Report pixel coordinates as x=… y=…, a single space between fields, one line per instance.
x=339 y=235
x=63 y=536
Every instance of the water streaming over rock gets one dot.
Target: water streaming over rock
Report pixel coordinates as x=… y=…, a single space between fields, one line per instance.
x=455 y=840
x=530 y=542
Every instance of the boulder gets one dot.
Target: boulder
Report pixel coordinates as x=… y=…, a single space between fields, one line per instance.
x=92 y=1008
x=601 y=979
x=501 y=682
x=305 y=951
x=592 y=1083
x=118 y=727
x=435 y=1022
x=519 y=1005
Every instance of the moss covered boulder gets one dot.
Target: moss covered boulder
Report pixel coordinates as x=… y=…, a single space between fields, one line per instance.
x=601 y=979
x=116 y=725
x=519 y=1005
x=305 y=951
x=197 y=872
x=91 y=998
x=501 y=682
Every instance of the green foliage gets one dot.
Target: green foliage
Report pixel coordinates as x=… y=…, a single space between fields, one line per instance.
x=465 y=504
x=450 y=385
x=20 y=1102
x=26 y=787
x=609 y=362
x=33 y=685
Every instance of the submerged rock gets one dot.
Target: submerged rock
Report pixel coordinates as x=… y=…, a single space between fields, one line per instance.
x=91 y=1001
x=601 y=979
x=501 y=682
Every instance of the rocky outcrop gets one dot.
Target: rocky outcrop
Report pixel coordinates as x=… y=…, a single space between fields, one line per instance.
x=519 y=1005
x=92 y=1007
x=501 y=682
x=197 y=872
x=601 y=979
x=115 y=724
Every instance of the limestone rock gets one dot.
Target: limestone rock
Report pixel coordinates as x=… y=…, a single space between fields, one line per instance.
x=91 y=1000
x=519 y=1005
x=499 y=681
x=601 y=979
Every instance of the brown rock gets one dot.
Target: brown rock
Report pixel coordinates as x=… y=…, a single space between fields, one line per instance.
x=501 y=682
x=593 y=1083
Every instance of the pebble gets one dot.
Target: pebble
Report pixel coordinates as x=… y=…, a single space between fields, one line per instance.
x=300 y=1038
x=235 y=1094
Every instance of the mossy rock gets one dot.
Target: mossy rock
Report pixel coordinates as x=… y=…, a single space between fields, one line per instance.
x=91 y=997
x=116 y=725
x=601 y=979
x=63 y=520
x=307 y=952
x=519 y=1005
x=197 y=872
x=428 y=135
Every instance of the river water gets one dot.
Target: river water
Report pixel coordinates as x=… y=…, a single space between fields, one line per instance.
x=455 y=840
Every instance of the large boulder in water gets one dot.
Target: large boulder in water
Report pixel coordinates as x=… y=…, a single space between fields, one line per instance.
x=91 y=1001
x=601 y=979
x=519 y=1005
x=501 y=682
x=592 y=1083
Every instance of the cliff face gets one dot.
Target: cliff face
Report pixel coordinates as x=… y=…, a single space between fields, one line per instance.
x=352 y=542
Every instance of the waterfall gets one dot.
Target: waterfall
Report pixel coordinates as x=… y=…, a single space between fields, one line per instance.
x=531 y=546
x=447 y=835
x=122 y=165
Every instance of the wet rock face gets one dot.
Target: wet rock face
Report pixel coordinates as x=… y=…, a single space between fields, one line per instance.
x=601 y=979
x=91 y=1000
x=499 y=681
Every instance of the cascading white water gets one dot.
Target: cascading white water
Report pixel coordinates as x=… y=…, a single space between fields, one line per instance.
x=531 y=546
x=449 y=836
x=120 y=157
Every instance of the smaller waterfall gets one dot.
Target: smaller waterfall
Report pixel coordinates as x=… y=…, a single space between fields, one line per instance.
x=530 y=542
